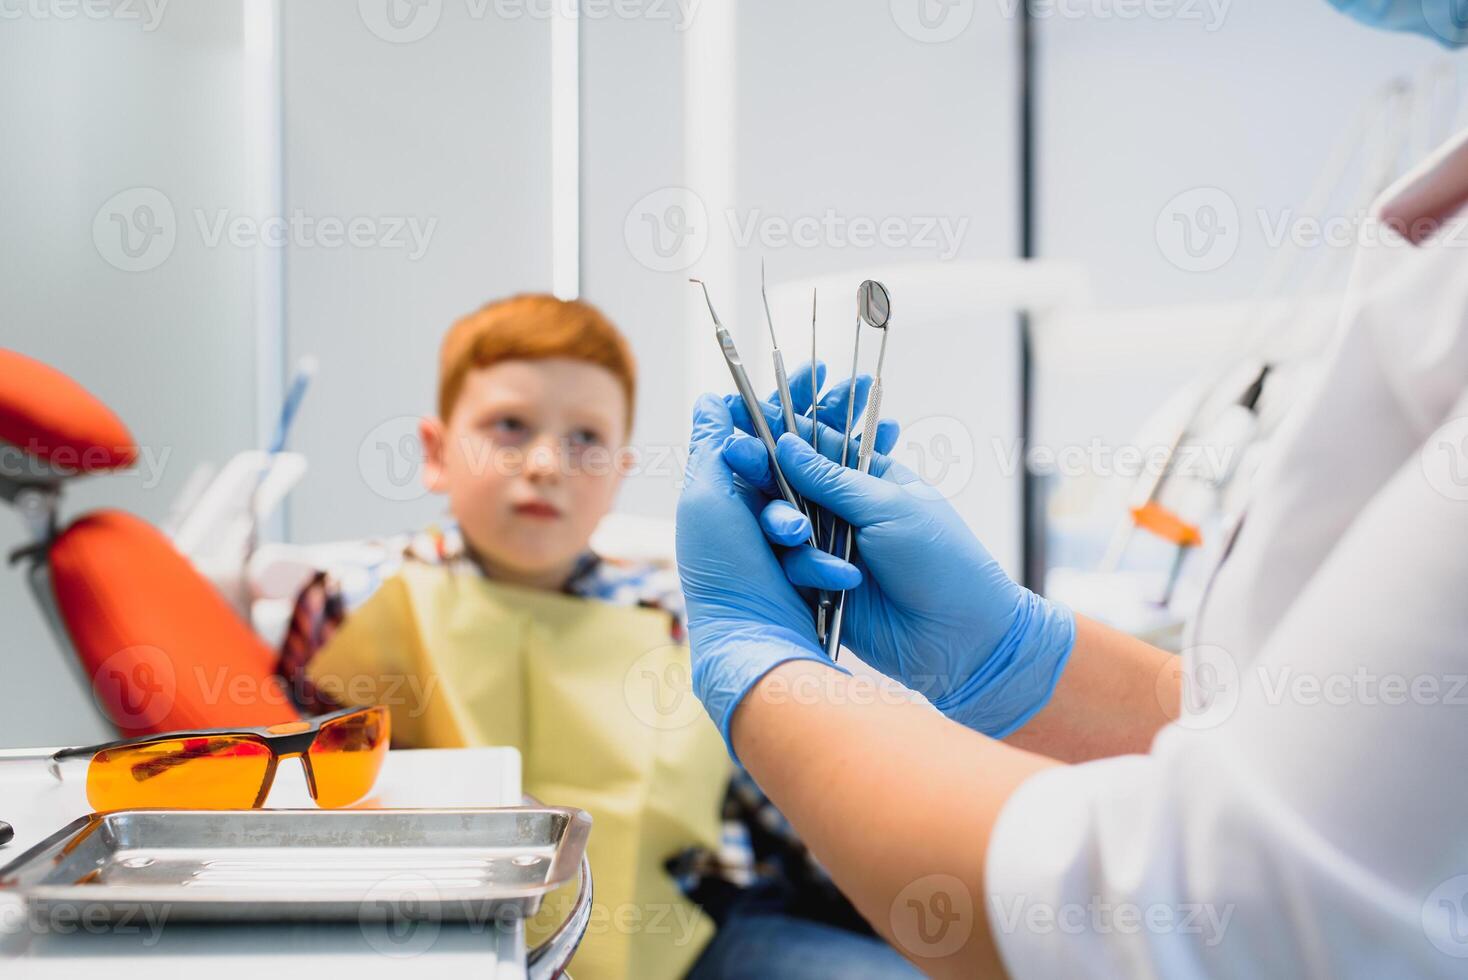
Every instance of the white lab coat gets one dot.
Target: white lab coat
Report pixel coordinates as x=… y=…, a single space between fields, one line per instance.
x=1308 y=816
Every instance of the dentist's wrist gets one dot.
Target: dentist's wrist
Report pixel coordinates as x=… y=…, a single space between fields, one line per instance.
x=730 y=660
x=1017 y=679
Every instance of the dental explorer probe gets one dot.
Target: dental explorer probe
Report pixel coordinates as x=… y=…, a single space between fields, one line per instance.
x=782 y=383
x=874 y=305
x=751 y=400
x=813 y=415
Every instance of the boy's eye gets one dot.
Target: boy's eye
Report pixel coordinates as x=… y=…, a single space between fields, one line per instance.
x=509 y=427
x=582 y=438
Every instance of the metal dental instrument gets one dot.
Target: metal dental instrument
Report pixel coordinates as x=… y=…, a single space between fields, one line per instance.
x=751 y=400
x=850 y=406
x=825 y=604
x=813 y=415
x=782 y=383
x=874 y=306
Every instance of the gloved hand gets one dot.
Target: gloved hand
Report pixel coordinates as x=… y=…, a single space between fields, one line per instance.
x=744 y=616
x=934 y=610
x=830 y=411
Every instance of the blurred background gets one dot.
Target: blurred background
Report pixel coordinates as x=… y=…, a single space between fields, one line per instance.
x=1081 y=209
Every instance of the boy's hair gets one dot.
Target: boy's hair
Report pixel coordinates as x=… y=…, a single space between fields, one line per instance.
x=532 y=326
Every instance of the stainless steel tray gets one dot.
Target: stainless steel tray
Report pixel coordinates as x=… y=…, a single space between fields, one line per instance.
x=455 y=865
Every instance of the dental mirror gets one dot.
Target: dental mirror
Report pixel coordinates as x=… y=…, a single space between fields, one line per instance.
x=873 y=303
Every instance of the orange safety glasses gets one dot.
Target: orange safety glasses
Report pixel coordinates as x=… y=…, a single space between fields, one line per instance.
x=232 y=768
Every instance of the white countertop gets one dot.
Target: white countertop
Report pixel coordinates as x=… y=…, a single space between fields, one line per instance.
x=37 y=806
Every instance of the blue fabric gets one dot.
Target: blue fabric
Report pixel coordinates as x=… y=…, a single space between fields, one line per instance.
x=762 y=946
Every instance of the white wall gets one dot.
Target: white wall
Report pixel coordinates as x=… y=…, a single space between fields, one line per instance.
x=841 y=109
x=450 y=130
x=761 y=115
x=631 y=144
x=1134 y=113
x=92 y=109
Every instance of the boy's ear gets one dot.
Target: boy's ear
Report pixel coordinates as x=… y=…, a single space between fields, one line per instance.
x=431 y=435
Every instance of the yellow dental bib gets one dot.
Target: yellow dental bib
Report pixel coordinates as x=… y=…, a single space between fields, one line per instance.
x=596 y=698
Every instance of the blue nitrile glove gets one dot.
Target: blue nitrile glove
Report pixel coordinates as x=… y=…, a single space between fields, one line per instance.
x=831 y=409
x=934 y=609
x=744 y=617
x=1436 y=19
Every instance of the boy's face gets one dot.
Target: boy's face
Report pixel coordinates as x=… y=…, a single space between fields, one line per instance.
x=530 y=458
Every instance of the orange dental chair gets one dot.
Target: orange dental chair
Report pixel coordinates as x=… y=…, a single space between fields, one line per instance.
x=159 y=648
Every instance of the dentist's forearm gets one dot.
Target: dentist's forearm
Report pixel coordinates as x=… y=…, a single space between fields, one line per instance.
x=894 y=799
x=1115 y=694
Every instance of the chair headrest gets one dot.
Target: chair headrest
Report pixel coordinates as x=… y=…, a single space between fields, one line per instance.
x=58 y=426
